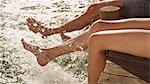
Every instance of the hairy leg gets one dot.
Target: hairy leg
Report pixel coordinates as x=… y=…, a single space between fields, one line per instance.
x=135 y=42
x=88 y=17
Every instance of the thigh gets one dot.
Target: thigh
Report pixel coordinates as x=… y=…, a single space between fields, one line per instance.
x=133 y=41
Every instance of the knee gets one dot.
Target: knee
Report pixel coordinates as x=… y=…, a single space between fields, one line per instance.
x=91 y=7
x=93 y=10
x=98 y=40
x=93 y=39
x=92 y=42
x=98 y=26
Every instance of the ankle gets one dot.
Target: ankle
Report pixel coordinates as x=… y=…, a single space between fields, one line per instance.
x=50 y=53
x=56 y=30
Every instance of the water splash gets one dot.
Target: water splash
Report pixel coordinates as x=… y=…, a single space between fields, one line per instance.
x=13 y=29
x=40 y=50
x=34 y=24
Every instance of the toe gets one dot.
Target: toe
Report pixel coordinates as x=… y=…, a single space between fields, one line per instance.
x=29 y=24
x=25 y=45
x=33 y=27
x=22 y=41
x=29 y=47
x=29 y=19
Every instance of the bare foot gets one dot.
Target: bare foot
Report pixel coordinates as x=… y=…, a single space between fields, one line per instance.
x=42 y=58
x=37 y=27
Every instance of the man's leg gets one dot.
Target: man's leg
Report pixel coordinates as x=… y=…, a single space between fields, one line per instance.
x=135 y=42
x=88 y=17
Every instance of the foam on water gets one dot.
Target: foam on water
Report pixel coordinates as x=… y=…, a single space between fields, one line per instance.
x=21 y=64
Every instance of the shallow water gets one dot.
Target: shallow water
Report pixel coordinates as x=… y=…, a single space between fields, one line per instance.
x=18 y=66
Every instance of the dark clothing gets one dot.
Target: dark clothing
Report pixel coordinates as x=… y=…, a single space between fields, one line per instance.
x=135 y=9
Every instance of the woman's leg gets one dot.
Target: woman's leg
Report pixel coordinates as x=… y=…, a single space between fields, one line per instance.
x=80 y=22
x=135 y=42
x=78 y=43
x=81 y=41
x=88 y=17
x=51 y=53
